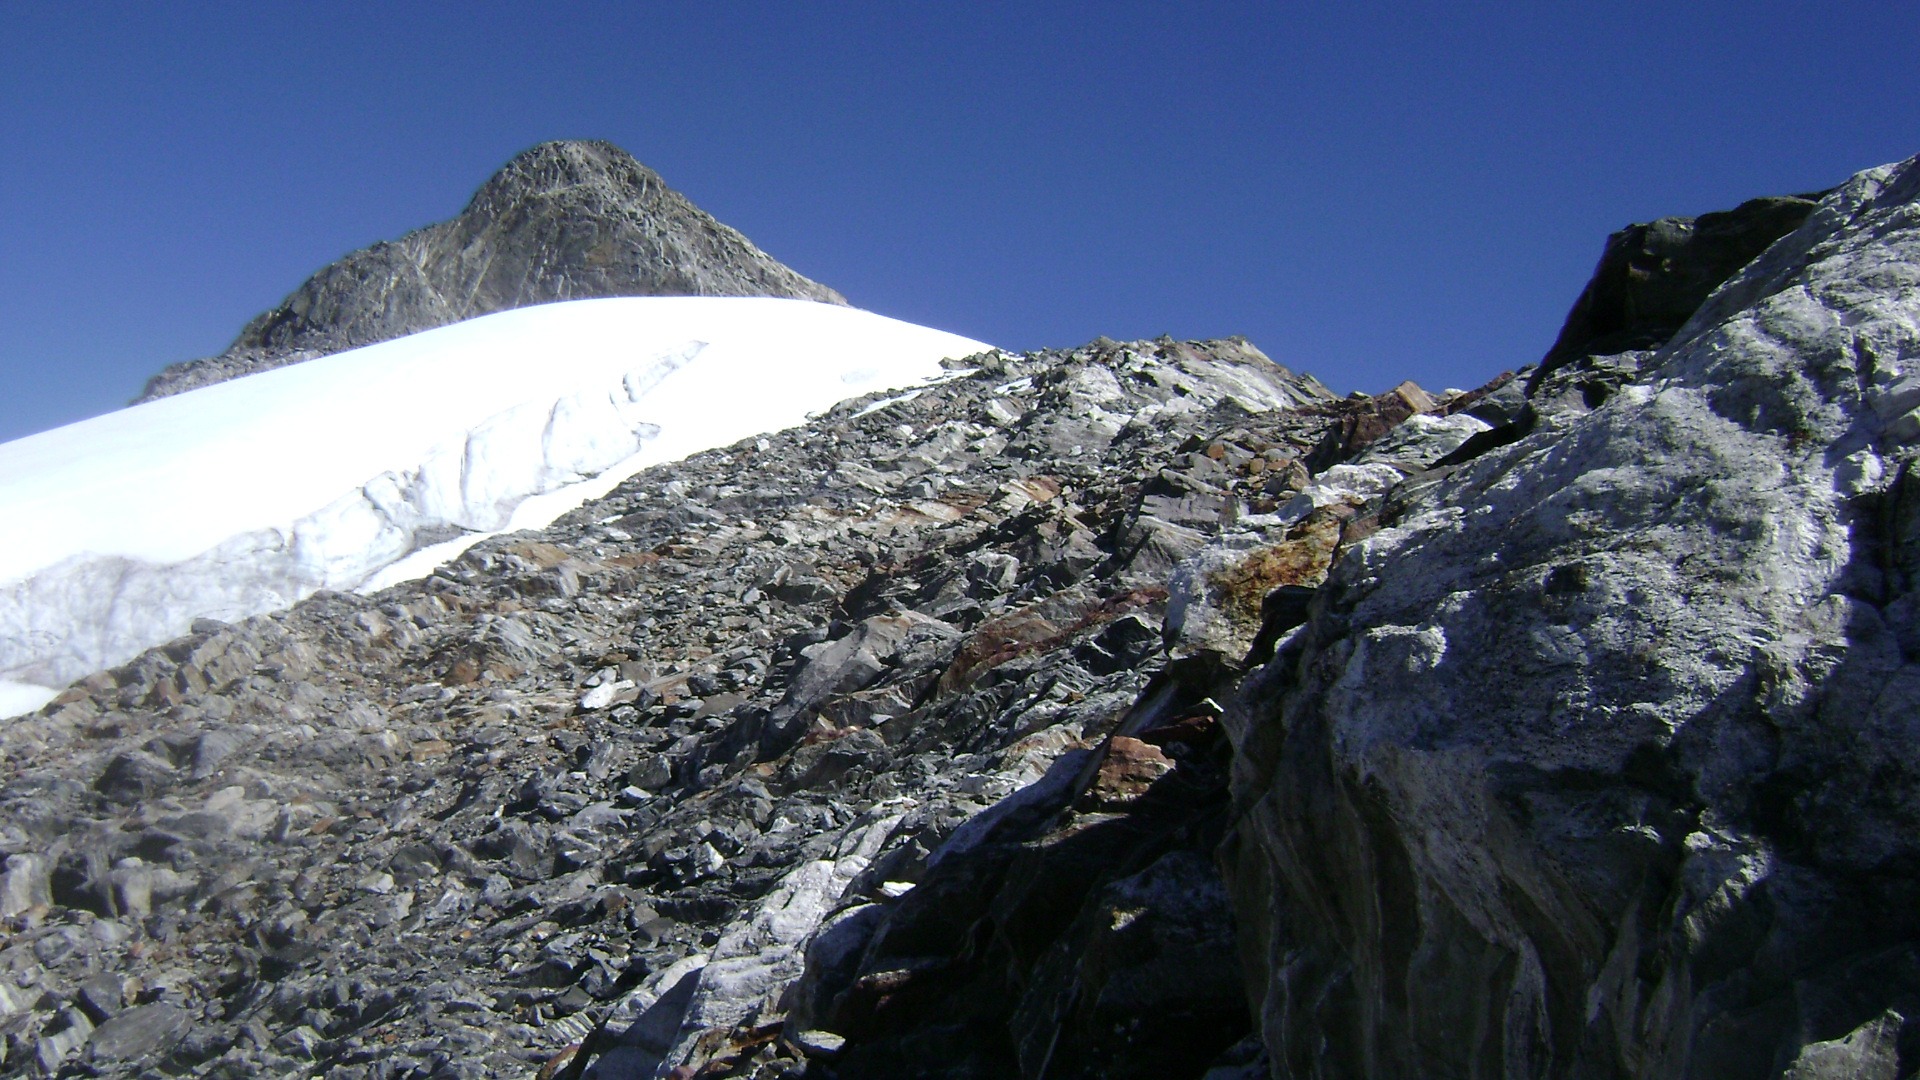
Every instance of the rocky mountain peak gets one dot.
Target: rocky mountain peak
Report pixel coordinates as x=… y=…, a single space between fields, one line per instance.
x=571 y=168
x=567 y=220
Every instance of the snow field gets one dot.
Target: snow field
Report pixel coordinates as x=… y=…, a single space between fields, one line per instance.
x=243 y=497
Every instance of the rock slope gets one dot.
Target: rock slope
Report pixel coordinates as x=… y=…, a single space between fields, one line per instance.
x=1654 y=275
x=601 y=784
x=1139 y=710
x=571 y=220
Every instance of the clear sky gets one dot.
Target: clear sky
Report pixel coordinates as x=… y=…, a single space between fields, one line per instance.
x=1369 y=192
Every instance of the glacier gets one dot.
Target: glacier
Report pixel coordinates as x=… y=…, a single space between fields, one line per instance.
x=355 y=470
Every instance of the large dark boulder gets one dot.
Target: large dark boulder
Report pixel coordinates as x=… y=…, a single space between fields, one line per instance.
x=1654 y=275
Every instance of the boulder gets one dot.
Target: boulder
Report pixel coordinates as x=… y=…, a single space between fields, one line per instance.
x=1654 y=275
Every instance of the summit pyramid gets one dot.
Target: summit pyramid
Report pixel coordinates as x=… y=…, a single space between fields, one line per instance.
x=565 y=220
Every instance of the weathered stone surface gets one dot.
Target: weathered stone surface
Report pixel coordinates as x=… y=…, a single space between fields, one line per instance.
x=1595 y=759
x=26 y=884
x=1869 y=1052
x=138 y=1033
x=1218 y=601
x=1360 y=420
x=562 y=221
x=1079 y=930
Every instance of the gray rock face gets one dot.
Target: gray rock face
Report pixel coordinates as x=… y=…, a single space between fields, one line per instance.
x=562 y=221
x=1596 y=759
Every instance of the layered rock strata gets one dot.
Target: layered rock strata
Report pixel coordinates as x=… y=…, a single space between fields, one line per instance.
x=570 y=220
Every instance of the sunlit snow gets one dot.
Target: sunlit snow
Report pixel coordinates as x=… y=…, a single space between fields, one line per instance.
x=243 y=497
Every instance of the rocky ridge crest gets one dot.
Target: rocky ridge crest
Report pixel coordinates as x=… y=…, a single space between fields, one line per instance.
x=569 y=220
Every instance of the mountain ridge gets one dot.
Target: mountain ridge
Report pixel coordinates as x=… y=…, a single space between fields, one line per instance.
x=1138 y=710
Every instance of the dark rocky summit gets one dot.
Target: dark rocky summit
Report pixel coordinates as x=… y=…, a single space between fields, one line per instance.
x=562 y=221
x=1137 y=710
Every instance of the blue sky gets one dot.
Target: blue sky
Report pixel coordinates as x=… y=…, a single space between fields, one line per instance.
x=1369 y=192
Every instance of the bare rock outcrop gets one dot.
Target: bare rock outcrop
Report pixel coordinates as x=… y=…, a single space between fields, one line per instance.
x=1596 y=758
x=571 y=220
x=1654 y=275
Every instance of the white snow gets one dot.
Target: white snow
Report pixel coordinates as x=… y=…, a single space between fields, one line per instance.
x=243 y=497
x=18 y=698
x=894 y=399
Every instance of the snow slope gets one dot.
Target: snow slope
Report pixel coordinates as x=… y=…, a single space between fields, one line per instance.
x=118 y=531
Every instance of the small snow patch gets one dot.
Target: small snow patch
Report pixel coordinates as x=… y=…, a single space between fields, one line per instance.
x=19 y=699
